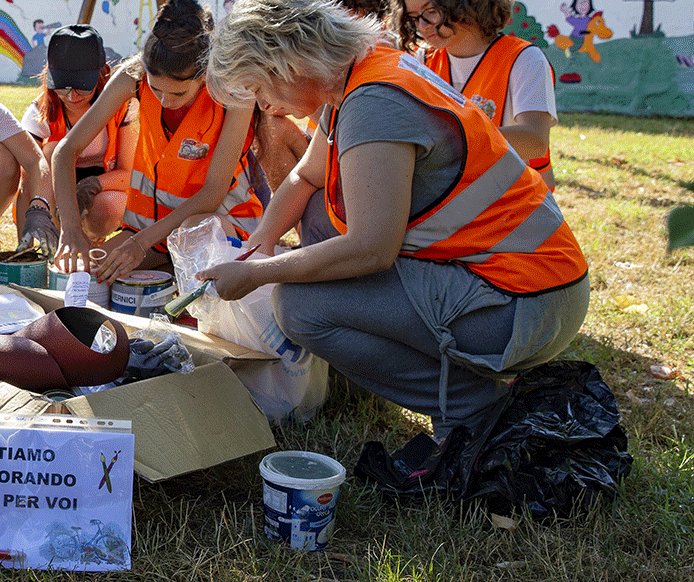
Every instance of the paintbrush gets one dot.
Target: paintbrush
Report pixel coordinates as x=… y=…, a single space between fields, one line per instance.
x=175 y=307
x=19 y=253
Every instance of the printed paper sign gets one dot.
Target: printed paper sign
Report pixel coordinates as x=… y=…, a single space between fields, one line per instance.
x=77 y=289
x=65 y=493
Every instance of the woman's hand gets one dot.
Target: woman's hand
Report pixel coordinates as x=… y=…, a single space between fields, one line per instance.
x=232 y=280
x=72 y=246
x=121 y=260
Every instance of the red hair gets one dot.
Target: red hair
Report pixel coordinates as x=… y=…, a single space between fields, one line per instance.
x=49 y=103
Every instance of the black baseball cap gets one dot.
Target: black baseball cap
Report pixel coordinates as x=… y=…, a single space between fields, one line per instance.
x=75 y=57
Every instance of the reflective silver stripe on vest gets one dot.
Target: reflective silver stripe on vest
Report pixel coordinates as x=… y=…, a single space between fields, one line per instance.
x=135 y=220
x=140 y=182
x=529 y=235
x=468 y=205
x=238 y=195
x=474 y=200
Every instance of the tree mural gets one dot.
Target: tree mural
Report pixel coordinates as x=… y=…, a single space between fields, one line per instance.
x=647 y=19
x=524 y=26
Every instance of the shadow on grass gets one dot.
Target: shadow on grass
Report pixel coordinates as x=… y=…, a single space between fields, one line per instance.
x=353 y=416
x=627 y=168
x=656 y=125
x=651 y=407
x=215 y=516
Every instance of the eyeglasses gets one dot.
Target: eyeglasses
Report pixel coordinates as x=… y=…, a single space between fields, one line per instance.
x=431 y=16
x=66 y=91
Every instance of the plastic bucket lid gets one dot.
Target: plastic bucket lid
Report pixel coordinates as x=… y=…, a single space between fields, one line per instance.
x=302 y=470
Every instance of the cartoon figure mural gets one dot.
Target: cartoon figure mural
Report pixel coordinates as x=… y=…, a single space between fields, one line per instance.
x=618 y=56
x=42 y=30
x=26 y=27
x=595 y=26
x=578 y=15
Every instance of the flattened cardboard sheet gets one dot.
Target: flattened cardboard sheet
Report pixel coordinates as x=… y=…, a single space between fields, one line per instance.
x=183 y=422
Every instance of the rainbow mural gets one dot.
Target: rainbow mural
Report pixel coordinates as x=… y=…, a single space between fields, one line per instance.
x=13 y=43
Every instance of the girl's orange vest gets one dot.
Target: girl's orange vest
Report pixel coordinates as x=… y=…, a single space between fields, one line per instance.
x=166 y=172
x=58 y=129
x=489 y=80
x=497 y=217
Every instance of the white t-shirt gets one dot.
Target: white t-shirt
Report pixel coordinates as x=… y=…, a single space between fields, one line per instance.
x=530 y=86
x=9 y=125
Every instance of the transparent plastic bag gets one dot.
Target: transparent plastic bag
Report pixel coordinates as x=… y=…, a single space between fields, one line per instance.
x=296 y=385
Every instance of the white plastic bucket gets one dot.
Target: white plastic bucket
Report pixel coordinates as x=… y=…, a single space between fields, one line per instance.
x=300 y=491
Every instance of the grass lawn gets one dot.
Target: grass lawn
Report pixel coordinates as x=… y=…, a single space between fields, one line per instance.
x=617 y=179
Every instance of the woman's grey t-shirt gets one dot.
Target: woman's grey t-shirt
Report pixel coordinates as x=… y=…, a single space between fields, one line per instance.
x=374 y=113
x=383 y=113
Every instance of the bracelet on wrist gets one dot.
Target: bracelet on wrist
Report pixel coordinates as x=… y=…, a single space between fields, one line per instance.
x=139 y=244
x=42 y=199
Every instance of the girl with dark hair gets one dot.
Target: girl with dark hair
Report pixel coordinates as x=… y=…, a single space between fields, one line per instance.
x=578 y=15
x=73 y=78
x=509 y=78
x=182 y=171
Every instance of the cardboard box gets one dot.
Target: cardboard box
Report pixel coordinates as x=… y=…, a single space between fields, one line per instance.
x=181 y=422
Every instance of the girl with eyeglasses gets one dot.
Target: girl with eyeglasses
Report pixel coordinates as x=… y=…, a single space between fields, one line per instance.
x=193 y=158
x=509 y=78
x=74 y=76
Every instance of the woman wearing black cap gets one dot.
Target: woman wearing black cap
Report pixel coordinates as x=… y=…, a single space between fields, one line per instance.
x=75 y=74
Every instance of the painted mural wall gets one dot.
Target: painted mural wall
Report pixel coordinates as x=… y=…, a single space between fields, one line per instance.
x=26 y=26
x=623 y=56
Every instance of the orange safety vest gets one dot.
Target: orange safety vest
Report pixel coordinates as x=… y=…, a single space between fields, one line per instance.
x=488 y=83
x=58 y=129
x=166 y=172
x=497 y=217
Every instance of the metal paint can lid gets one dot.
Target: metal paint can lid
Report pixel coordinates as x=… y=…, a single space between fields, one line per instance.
x=145 y=278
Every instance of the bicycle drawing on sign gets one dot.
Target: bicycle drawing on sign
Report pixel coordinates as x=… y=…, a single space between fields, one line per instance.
x=106 y=545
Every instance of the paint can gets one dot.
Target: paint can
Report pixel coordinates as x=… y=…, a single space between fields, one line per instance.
x=30 y=269
x=300 y=491
x=142 y=292
x=99 y=293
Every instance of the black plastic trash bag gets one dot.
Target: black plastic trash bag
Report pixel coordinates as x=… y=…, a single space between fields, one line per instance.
x=554 y=440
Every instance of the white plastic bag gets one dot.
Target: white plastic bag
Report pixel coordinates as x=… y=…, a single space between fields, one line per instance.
x=292 y=387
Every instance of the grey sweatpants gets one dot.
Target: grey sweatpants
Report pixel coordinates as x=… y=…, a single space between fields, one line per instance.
x=368 y=329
